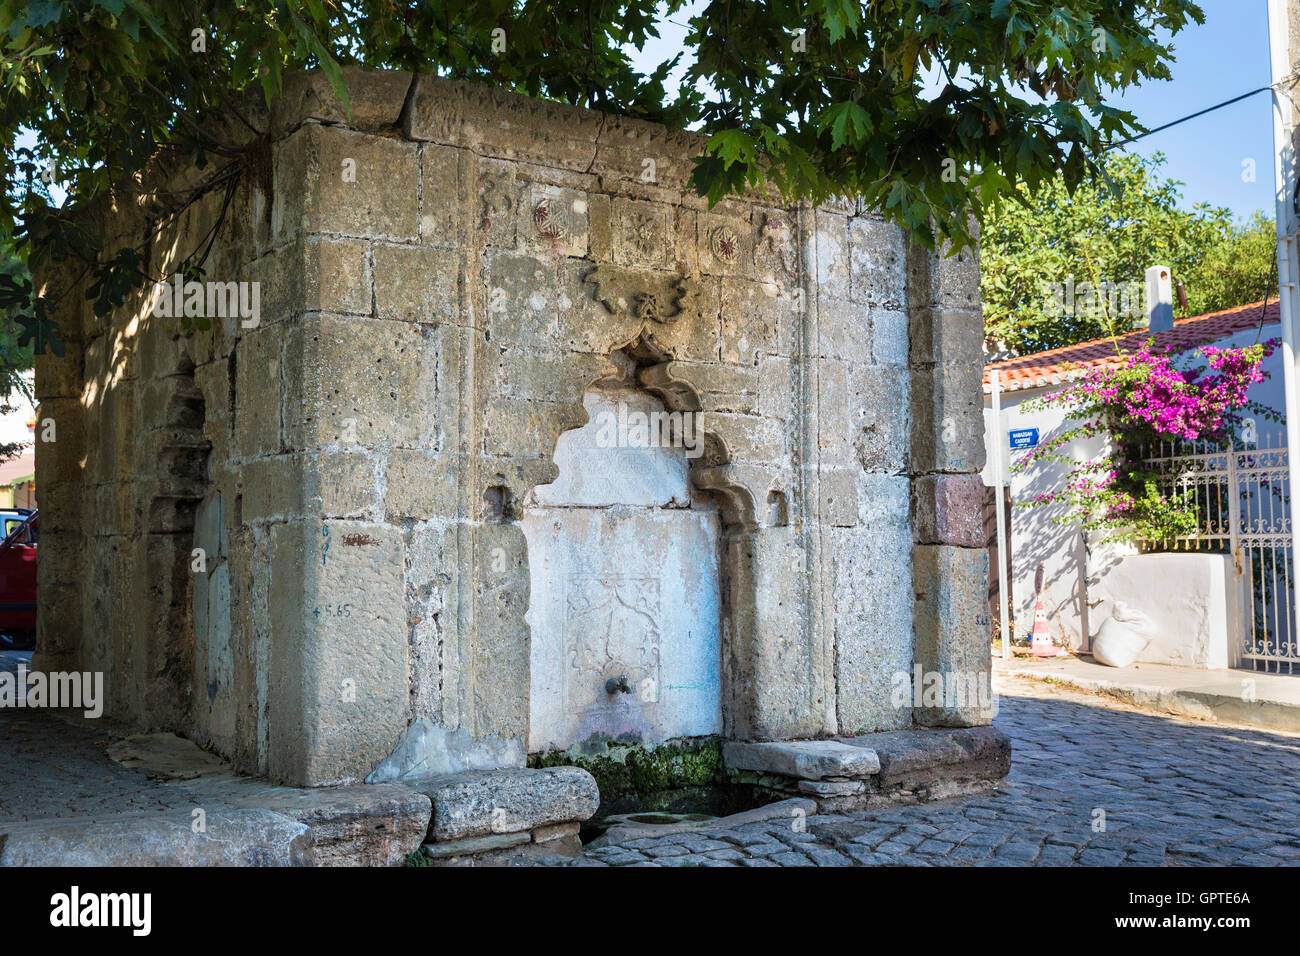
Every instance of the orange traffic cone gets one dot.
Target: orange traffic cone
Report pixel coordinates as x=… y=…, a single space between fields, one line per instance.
x=1041 y=645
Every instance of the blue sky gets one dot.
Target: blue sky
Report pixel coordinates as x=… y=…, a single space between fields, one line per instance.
x=1215 y=62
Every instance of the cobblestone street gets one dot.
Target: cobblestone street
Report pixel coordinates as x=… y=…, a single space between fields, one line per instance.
x=57 y=768
x=1170 y=793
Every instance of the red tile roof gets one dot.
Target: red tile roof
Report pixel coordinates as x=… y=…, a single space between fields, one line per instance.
x=1059 y=365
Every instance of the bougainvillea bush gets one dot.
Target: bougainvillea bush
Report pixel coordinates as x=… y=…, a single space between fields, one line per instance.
x=1143 y=400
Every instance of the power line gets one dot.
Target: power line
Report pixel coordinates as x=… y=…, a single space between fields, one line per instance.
x=1208 y=109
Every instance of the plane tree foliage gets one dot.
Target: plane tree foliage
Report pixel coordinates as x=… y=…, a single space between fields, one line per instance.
x=930 y=112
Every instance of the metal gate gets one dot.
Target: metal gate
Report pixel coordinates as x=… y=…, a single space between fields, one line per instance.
x=1242 y=498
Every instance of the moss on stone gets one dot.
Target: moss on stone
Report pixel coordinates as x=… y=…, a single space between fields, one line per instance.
x=625 y=770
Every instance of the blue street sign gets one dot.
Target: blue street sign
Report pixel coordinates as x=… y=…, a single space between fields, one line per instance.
x=1024 y=438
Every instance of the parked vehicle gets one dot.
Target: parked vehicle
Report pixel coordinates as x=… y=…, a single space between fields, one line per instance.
x=11 y=518
x=18 y=579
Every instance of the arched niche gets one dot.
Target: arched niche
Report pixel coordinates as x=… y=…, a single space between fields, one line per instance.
x=625 y=580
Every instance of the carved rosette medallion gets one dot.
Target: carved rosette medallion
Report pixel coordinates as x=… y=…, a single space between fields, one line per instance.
x=645 y=234
x=725 y=244
x=550 y=219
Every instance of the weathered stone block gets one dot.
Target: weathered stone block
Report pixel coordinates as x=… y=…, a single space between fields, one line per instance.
x=340 y=484
x=59 y=462
x=843 y=330
x=953 y=660
x=832 y=788
x=258 y=394
x=231 y=838
x=273 y=488
x=440 y=195
x=948 y=413
x=756 y=320
x=496 y=123
x=879 y=263
x=416 y=283
x=372 y=825
x=473 y=846
x=912 y=759
x=826 y=255
x=522 y=297
x=420 y=485
x=335 y=181
x=777 y=671
x=482 y=802
x=59 y=377
x=889 y=337
x=632 y=150
x=947 y=337
x=338 y=661
x=748 y=437
x=530 y=375
x=428 y=750
x=873 y=609
x=336 y=276
x=943 y=280
x=375 y=98
x=801 y=759
x=881 y=399
x=949 y=509
x=359 y=381
x=839 y=498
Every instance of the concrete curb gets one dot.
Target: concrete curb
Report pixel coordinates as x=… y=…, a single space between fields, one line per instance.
x=1198 y=703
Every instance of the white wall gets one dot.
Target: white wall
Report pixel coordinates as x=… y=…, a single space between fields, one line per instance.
x=1035 y=537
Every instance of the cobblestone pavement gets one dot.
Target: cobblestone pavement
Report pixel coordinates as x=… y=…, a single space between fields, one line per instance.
x=51 y=766
x=1170 y=792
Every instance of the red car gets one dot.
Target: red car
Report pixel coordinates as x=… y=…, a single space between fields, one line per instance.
x=18 y=580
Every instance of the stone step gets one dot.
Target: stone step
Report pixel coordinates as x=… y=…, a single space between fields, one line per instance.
x=230 y=837
x=801 y=759
x=912 y=758
x=246 y=823
x=478 y=803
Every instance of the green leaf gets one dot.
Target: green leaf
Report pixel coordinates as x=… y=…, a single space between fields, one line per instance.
x=848 y=122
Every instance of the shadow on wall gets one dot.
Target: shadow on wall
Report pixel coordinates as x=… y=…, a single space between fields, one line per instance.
x=1040 y=536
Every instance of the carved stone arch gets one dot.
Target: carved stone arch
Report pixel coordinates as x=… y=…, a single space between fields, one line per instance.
x=713 y=471
x=640 y=365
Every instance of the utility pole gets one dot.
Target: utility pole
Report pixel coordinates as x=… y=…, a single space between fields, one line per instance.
x=1283 y=33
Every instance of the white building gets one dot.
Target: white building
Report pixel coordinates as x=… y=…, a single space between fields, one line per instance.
x=1191 y=596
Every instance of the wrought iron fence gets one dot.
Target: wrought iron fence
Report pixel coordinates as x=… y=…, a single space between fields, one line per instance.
x=1241 y=497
